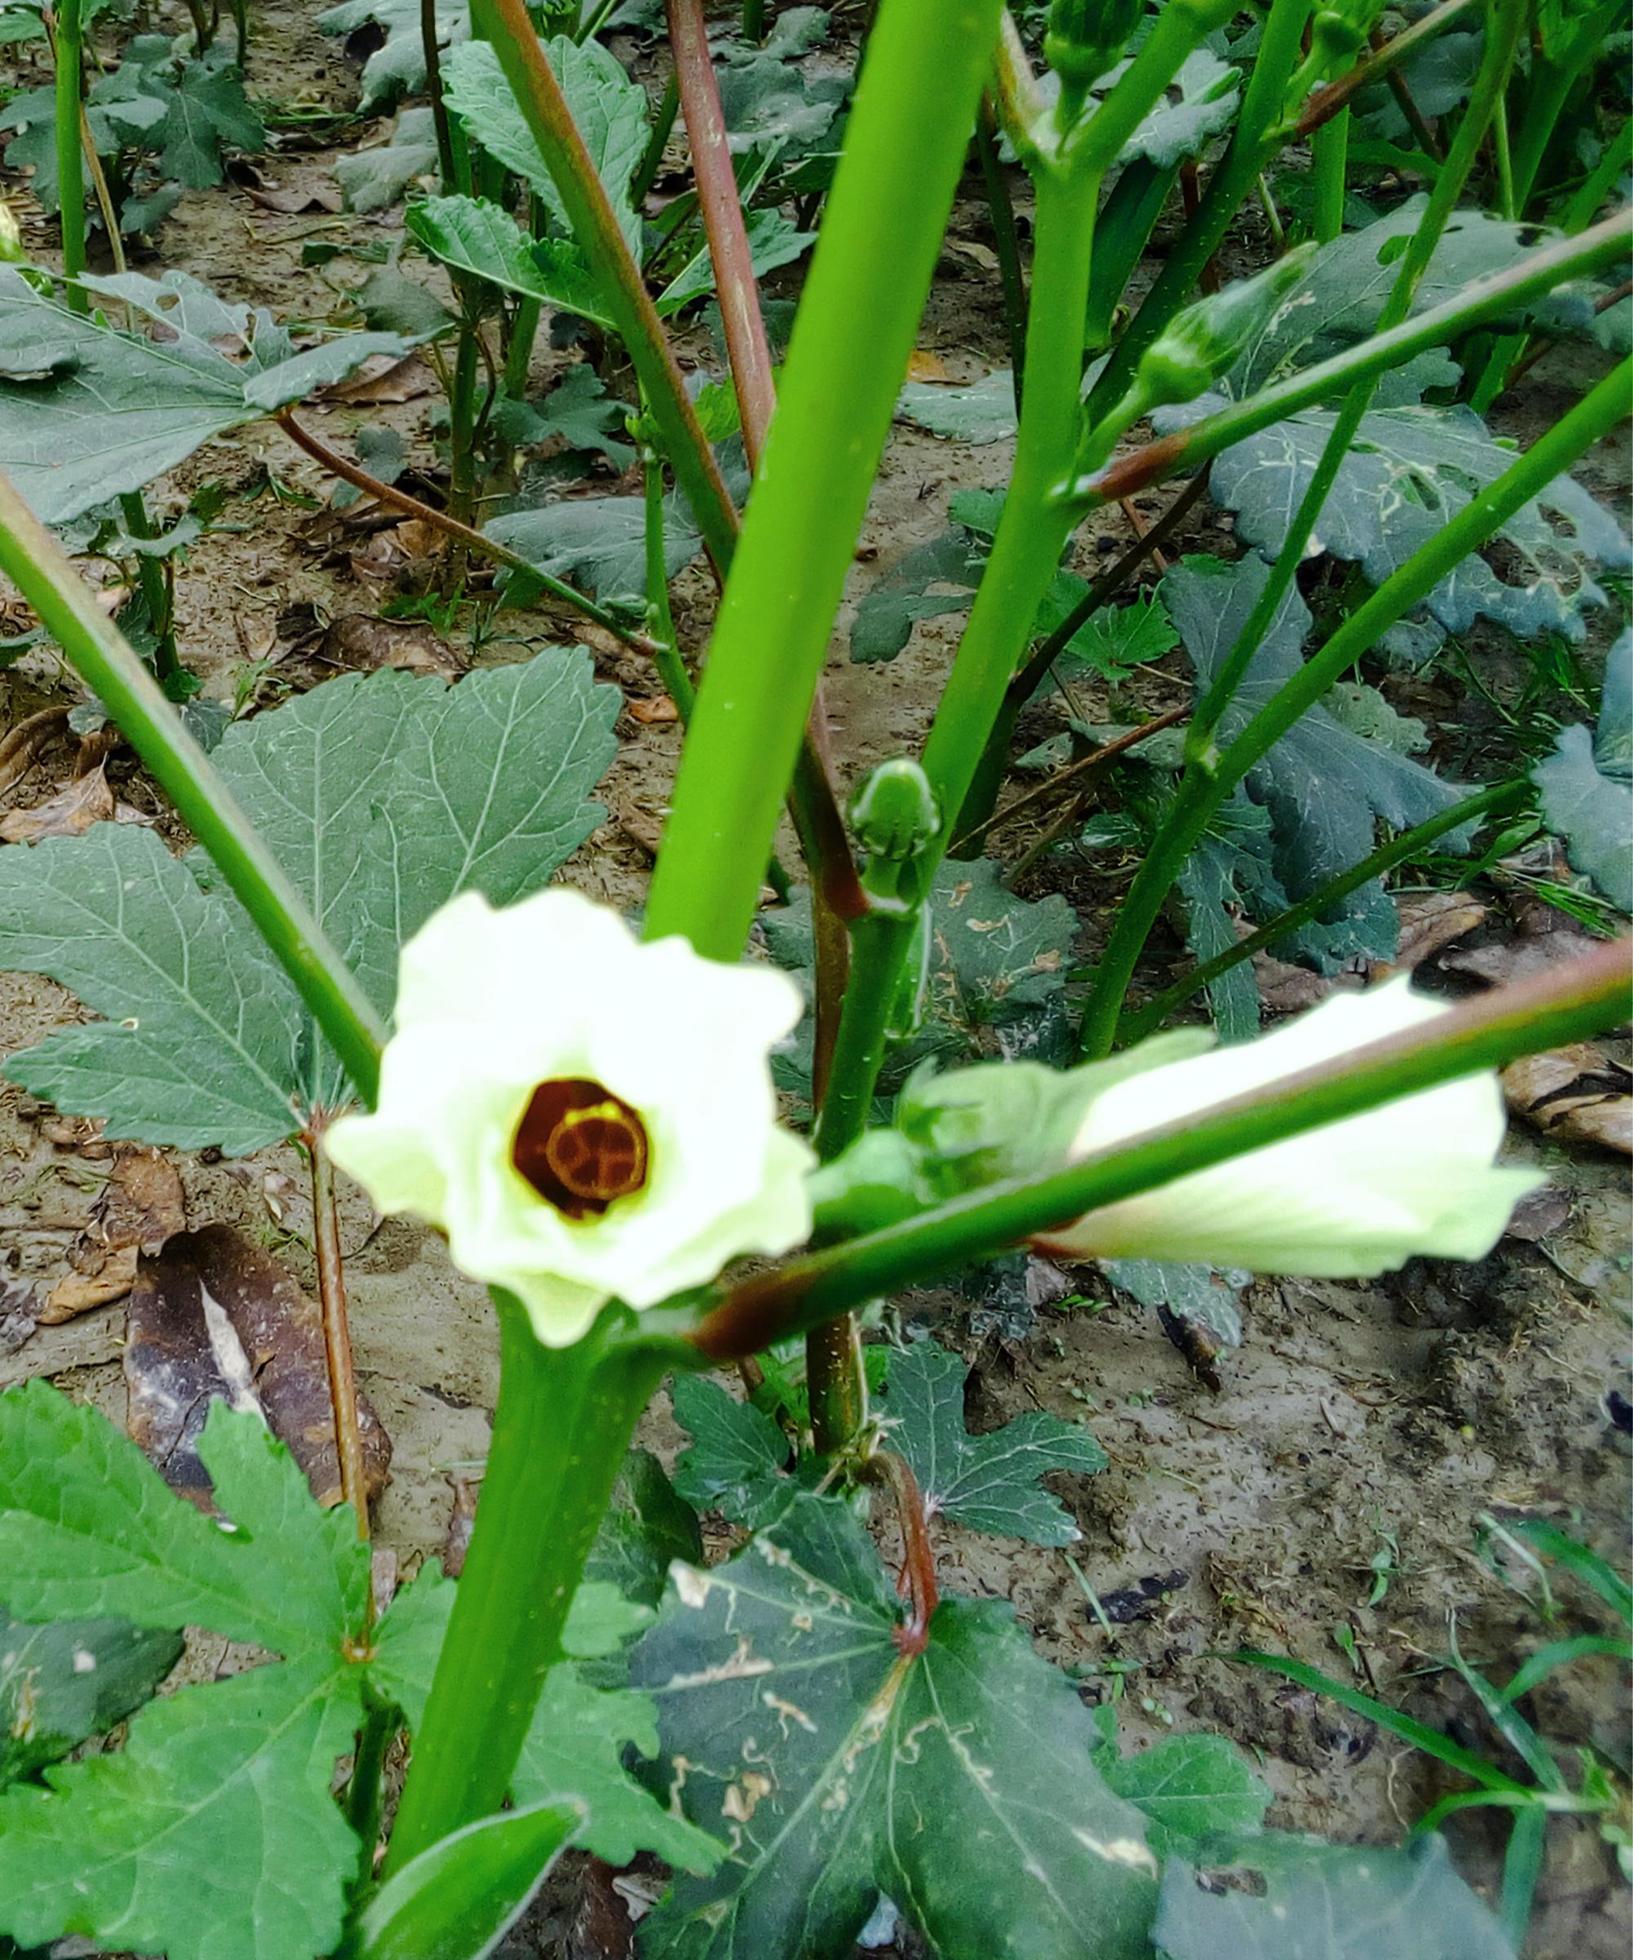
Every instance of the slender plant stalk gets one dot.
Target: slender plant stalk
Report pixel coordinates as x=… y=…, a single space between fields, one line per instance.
x=1399 y=850
x=1006 y=242
x=1596 y=187
x=1550 y=90
x=431 y=49
x=560 y=1431
x=1090 y=766
x=158 y=592
x=69 y=53
x=660 y=617
x=1078 y=772
x=1326 y=102
x=1256 y=137
x=646 y=171
x=1329 y=154
x=1211 y=779
x=337 y=1336
x=918 y=1581
x=100 y=191
x=1570 y=1004
x=748 y=352
x=365 y=1787
x=595 y=226
x=753 y=20
x=880 y=233
x=474 y=540
x=39 y=568
x=1428 y=142
x=1530 y=278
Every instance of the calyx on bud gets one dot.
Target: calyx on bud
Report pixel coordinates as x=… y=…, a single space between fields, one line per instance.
x=1085 y=37
x=893 y=813
x=1203 y=341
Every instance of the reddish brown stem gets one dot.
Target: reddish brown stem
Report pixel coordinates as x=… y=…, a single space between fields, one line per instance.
x=919 y=1574
x=337 y=1338
x=1406 y=102
x=1078 y=772
x=747 y=349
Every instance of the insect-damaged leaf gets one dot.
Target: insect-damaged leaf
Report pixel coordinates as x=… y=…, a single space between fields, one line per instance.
x=88 y=413
x=958 y=1781
x=1324 y=787
x=1314 y=1901
x=988 y=1482
x=382 y=795
x=70 y=1679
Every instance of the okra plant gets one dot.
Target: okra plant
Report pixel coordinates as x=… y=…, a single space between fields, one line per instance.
x=891 y=1071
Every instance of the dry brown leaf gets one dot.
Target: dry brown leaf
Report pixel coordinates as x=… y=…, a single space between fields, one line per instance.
x=1551 y=940
x=21 y=747
x=1429 y=921
x=85 y=801
x=291 y=202
x=659 y=709
x=365 y=644
x=1574 y=1095
x=399 y=381
x=924 y=366
x=141 y=1206
x=213 y=1315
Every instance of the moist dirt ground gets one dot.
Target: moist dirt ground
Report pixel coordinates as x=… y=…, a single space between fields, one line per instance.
x=1326 y=1501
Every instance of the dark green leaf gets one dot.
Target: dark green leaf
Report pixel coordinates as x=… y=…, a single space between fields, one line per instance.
x=459 y=1899
x=87 y=413
x=88 y=1528
x=1190 y=1787
x=484 y=240
x=577 y=412
x=373 y=179
x=1327 y=1902
x=1228 y=875
x=773 y=241
x=397 y=67
x=1325 y=788
x=980 y=413
x=598 y=543
x=391 y=300
x=70 y=1679
x=1194 y=1294
x=206 y=111
x=738 y=1460
x=212 y=1831
x=643 y=1531
x=1113 y=640
x=608 y=108
x=932 y=579
x=1587 y=786
x=959 y=1781
x=200 y=1037
x=989 y=1482
x=768 y=102
x=1198 y=104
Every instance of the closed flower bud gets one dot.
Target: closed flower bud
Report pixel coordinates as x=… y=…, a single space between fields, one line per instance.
x=1355 y=1197
x=1203 y=341
x=586 y=1117
x=893 y=813
x=1085 y=37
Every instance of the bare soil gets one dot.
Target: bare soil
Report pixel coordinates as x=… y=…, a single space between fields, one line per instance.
x=1353 y=1418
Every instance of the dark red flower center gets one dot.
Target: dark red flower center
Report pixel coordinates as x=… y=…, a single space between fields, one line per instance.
x=581 y=1147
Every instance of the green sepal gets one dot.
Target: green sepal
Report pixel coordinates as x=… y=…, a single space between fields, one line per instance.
x=1203 y=340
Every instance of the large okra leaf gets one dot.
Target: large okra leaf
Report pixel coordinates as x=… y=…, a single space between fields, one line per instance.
x=382 y=796
x=960 y=1781
x=88 y=412
x=1587 y=785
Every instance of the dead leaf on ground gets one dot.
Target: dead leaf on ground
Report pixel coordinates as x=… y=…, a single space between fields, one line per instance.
x=78 y=1133
x=213 y=1316
x=1579 y=1094
x=659 y=709
x=1545 y=939
x=922 y=365
x=18 y=1309
x=71 y=812
x=1539 y=1214
x=397 y=381
x=141 y=1206
x=23 y=745
x=1288 y=989
x=364 y=644
x=290 y=203
x=394 y=551
x=1429 y=922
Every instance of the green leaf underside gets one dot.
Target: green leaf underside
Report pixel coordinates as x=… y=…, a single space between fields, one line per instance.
x=88 y=413
x=1587 y=786
x=1198 y=104
x=397 y=67
x=608 y=108
x=575 y=1745
x=70 y=1679
x=212 y=1833
x=374 y=179
x=465 y=1893
x=598 y=543
x=1328 y=1902
x=382 y=795
x=958 y=1782
x=473 y=236
x=989 y=1482
x=1325 y=787
x=978 y=412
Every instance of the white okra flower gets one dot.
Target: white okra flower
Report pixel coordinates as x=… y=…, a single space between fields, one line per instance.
x=585 y=1116
x=1358 y=1196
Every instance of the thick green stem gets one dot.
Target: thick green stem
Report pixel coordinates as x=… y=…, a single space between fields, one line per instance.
x=753 y=20
x=881 y=230
x=70 y=55
x=560 y=1431
x=1399 y=850
x=36 y=564
x=1569 y=1004
x=595 y=226
x=1329 y=154
x=1209 y=780
x=1257 y=135
x=1529 y=279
